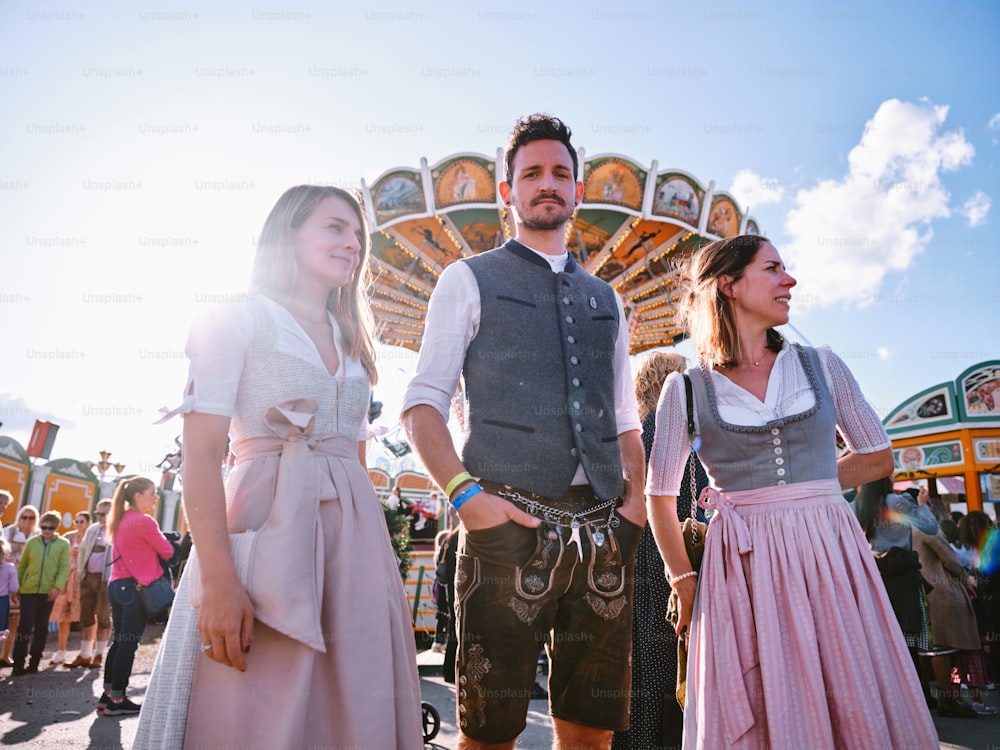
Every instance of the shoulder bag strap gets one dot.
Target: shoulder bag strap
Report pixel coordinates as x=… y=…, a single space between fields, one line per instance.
x=695 y=443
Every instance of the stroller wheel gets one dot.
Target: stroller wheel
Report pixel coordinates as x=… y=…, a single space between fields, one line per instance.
x=432 y=721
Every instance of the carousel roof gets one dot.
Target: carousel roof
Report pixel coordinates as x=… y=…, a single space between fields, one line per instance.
x=633 y=224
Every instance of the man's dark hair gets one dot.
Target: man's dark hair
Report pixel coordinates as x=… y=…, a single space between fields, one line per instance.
x=537 y=127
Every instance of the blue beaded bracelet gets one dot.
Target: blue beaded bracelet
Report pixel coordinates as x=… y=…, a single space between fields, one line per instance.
x=463 y=497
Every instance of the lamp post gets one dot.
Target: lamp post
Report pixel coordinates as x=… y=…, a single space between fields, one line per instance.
x=102 y=467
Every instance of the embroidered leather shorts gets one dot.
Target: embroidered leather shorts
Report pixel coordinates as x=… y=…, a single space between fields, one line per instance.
x=519 y=590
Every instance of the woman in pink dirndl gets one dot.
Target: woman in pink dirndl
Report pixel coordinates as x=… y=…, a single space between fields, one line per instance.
x=793 y=642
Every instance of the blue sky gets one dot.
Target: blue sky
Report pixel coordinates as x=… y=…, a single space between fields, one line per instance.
x=142 y=144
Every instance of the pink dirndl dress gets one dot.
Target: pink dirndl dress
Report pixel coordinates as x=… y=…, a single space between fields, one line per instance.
x=795 y=644
x=333 y=657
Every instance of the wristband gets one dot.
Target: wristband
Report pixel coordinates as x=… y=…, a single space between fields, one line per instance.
x=455 y=481
x=463 y=497
x=681 y=577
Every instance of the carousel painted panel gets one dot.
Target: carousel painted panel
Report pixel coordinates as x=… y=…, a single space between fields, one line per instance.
x=678 y=196
x=614 y=180
x=986 y=450
x=913 y=458
x=932 y=407
x=398 y=194
x=464 y=179
x=979 y=387
x=724 y=216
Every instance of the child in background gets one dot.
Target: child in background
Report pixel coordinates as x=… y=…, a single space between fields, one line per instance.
x=8 y=587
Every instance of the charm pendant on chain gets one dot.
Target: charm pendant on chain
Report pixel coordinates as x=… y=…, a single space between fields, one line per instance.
x=574 y=537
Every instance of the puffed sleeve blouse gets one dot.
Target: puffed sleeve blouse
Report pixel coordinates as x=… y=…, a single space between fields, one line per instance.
x=217 y=345
x=788 y=393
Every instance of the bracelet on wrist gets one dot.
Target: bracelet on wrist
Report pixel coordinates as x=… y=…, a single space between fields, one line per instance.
x=465 y=495
x=456 y=480
x=690 y=574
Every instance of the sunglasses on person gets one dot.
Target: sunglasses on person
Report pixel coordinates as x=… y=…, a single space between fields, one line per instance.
x=26 y=518
x=47 y=528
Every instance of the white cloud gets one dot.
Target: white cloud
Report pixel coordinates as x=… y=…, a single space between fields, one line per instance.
x=976 y=208
x=845 y=235
x=750 y=189
x=994 y=125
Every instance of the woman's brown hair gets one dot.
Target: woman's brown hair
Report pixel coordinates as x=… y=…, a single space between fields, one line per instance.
x=274 y=266
x=708 y=313
x=124 y=496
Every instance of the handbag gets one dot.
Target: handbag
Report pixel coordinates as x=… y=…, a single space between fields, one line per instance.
x=157 y=596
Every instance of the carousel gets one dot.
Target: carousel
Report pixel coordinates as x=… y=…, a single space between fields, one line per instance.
x=634 y=223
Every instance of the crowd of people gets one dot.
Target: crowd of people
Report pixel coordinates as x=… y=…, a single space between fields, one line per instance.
x=90 y=576
x=803 y=621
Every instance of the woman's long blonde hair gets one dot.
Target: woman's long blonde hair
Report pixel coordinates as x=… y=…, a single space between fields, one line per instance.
x=707 y=312
x=275 y=269
x=124 y=496
x=650 y=378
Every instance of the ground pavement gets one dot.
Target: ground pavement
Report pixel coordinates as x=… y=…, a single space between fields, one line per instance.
x=54 y=709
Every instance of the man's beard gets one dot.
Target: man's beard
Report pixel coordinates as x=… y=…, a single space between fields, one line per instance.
x=545 y=221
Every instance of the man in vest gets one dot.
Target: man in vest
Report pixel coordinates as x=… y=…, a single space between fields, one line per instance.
x=549 y=483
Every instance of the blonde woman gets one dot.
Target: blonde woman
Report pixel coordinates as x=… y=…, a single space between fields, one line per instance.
x=788 y=585
x=324 y=631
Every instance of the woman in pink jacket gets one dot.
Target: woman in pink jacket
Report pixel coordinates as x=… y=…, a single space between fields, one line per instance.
x=138 y=547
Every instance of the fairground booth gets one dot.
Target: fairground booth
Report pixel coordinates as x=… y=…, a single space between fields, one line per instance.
x=67 y=485
x=948 y=437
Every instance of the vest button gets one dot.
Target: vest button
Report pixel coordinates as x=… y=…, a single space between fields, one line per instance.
x=777 y=451
x=781 y=481
x=779 y=461
x=776 y=441
x=565 y=300
x=571 y=340
x=569 y=318
x=579 y=427
x=574 y=360
x=576 y=404
x=775 y=430
x=572 y=452
x=576 y=381
x=781 y=472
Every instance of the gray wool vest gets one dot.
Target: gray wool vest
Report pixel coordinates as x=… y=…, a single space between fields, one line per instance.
x=797 y=448
x=539 y=376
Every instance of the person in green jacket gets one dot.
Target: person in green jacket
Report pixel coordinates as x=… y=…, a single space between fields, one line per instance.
x=41 y=572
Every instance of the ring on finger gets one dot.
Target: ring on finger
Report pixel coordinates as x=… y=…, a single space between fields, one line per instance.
x=206 y=646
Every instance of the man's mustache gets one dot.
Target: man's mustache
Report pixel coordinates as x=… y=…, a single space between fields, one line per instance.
x=554 y=197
